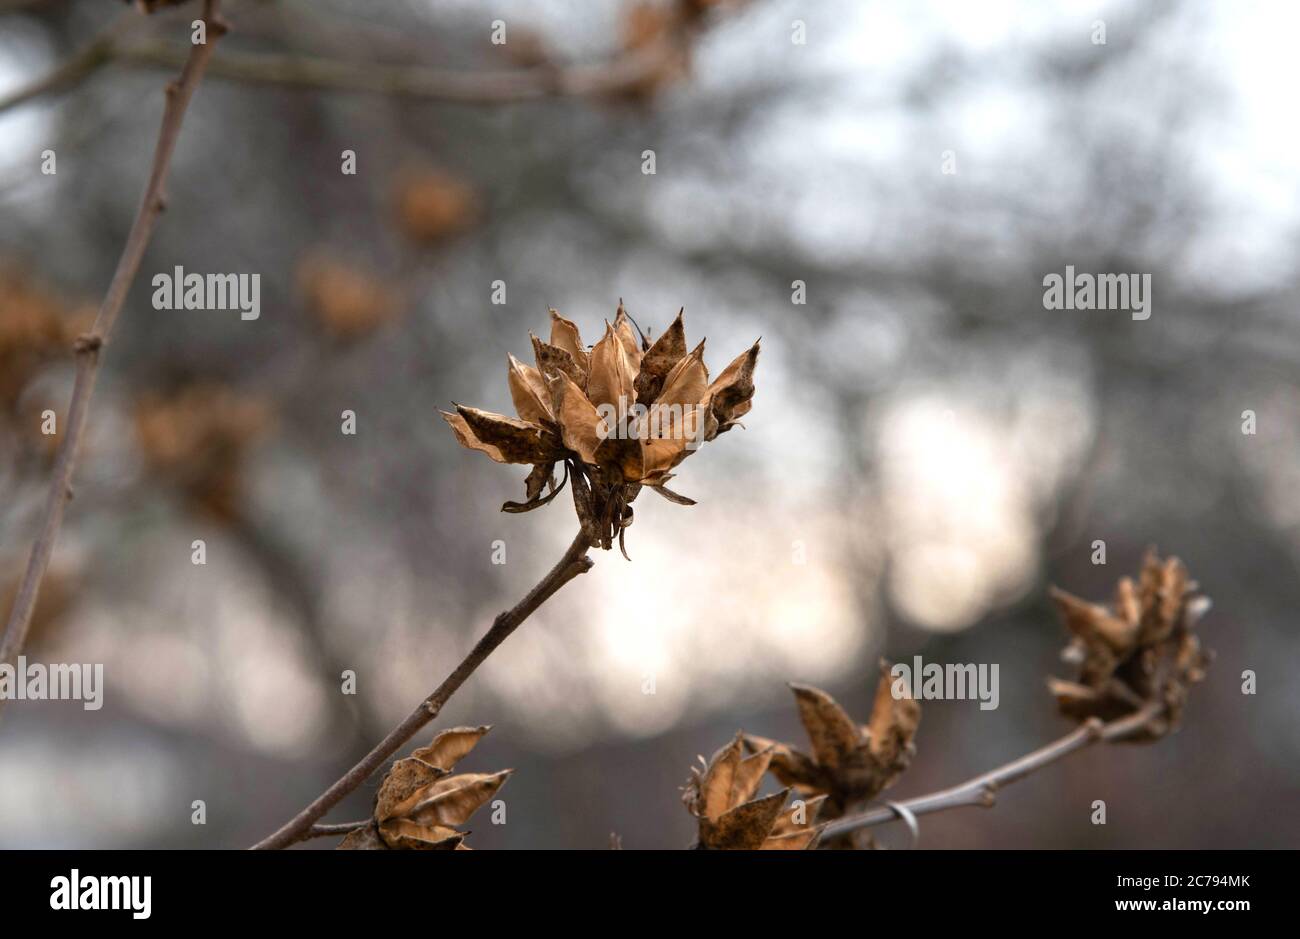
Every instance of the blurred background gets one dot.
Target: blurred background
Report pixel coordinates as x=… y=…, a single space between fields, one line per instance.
x=929 y=447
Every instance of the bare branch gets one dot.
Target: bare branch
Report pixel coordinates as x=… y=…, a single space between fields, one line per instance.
x=982 y=790
x=89 y=346
x=483 y=87
x=573 y=563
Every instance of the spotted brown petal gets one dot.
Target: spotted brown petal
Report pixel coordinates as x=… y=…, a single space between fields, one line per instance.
x=658 y=361
x=834 y=735
x=565 y=335
x=745 y=827
x=517 y=441
x=453 y=800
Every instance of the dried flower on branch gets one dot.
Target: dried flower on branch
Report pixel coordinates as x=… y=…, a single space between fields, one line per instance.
x=721 y=796
x=1142 y=650
x=618 y=416
x=850 y=763
x=420 y=801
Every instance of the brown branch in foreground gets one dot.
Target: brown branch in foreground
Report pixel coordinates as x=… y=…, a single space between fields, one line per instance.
x=573 y=563
x=982 y=790
x=88 y=347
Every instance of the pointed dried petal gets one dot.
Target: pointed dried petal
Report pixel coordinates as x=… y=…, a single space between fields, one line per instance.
x=517 y=441
x=552 y=359
x=1092 y=622
x=528 y=392
x=892 y=724
x=565 y=335
x=731 y=394
x=719 y=779
x=789 y=766
x=749 y=776
x=834 y=735
x=630 y=336
x=745 y=827
x=611 y=376
x=667 y=351
x=468 y=439
x=453 y=800
x=581 y=428
x=670 y=495
x=450 y=746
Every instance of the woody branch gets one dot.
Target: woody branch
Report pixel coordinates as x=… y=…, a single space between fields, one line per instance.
x=88 y=348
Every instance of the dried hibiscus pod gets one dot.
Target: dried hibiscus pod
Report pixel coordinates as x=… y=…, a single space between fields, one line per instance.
x=420 y=801
x=721 y=795
x=618 y=416
x=850 y=763
x=1141 y=651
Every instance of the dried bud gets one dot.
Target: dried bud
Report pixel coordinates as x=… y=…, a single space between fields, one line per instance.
x=1139 y=651
x=421 y=801
x=721 y=795
x=618 y=416
x=850 y=763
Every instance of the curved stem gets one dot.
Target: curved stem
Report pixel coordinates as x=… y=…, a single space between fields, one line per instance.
x=982 y=789
x=573 y=563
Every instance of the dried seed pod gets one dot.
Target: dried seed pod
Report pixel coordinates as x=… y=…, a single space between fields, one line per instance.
x=420 y=802
x=1140 y=650
x=619 y=415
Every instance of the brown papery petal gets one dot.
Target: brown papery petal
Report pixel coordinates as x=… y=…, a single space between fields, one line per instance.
x=749 y=776
x=611 y=376
x=553 y=360
x=450 y=746
x=719 y=780
x=833 y=733
x=745 y=827
x=565 y=335
x=517 y=441
x=528 y=391
x=467 y=438
x=405 y=779
x=580 y=425
x=893 y=721
x=630 y=336
x=453 y=800
x=667 y=351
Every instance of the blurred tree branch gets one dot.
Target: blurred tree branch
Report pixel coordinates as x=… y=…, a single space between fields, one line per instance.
x=88 y=347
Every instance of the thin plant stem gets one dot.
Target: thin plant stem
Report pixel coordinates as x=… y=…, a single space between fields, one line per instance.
x=574 y=562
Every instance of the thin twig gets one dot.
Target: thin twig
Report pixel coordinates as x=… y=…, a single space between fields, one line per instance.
x=414 y=81
x=329 y=831
x=573 y=563
x=88 y=347
x=982 y=790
